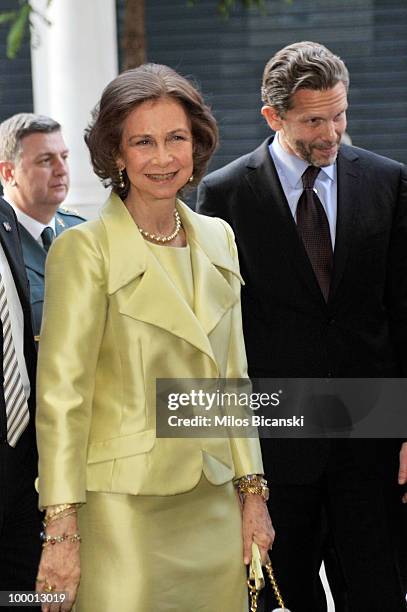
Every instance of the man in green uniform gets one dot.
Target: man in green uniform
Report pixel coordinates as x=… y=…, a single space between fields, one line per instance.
x=35 y=177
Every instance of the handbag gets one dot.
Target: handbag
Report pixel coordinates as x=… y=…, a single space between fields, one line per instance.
x=256 y=581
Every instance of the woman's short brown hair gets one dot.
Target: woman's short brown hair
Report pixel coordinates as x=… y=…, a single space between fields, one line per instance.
x=122 y=95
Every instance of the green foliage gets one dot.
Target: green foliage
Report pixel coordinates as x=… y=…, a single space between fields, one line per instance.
x=7 y=16
x=19 y=21
x=17 y=30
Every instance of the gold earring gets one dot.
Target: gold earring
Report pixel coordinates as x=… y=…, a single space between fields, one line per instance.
x=121 y=179
x=191 y=178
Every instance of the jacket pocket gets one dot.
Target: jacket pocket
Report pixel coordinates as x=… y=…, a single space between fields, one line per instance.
x=121 y=446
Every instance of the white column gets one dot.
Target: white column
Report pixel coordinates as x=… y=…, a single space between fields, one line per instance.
x=73 y=59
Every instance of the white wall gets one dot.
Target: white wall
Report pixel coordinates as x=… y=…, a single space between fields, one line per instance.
x=72 y=61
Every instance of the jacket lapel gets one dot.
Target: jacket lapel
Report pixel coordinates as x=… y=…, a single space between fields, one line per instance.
x=278 y=221
x=213 y=295
x=348 y=202
x=10 y=242
x=154 y=299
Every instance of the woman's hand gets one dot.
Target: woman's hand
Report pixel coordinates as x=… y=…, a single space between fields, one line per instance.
x=59 y=568
x=257 y=527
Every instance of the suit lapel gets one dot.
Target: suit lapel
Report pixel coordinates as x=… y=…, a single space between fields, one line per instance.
x=154 y=299
x=270 y=200
x=348 y=202
x=10 y=241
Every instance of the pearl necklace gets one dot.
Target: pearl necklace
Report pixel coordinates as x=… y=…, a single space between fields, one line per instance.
x=160 y=237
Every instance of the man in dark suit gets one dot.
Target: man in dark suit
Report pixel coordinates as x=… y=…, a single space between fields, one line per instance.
x=35 y=177
x=322 y=237
x=20 y=519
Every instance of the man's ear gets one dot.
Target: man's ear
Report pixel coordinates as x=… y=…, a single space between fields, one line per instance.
x=7 y=172
x=272 y=117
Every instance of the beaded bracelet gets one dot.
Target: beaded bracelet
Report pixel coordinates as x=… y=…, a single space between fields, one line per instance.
x=58 y=539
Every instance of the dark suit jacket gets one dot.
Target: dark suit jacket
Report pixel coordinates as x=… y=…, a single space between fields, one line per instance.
x=26 y=447
x=34 y=259
x=290 y=331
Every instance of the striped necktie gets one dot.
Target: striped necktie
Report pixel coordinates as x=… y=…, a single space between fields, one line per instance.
x=15 y=400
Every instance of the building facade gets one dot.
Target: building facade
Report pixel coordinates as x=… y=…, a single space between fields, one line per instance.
x=80 y=52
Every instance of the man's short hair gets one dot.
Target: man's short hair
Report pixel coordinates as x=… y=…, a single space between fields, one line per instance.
x=302 y=65
x=17 y=127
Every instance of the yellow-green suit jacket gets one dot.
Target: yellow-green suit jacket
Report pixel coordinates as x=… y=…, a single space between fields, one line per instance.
x=124 y=325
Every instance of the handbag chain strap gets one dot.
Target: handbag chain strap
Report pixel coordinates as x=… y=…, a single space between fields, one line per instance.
x=254 y=593
x=269 y=570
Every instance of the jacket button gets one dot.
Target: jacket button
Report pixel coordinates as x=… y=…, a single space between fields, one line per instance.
x=331 y=321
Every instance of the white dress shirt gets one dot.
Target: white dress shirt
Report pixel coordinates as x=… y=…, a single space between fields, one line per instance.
x=34 y=227
x=290 y=169
x=16 y=319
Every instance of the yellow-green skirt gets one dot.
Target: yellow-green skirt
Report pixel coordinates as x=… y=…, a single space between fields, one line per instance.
x=178 y=553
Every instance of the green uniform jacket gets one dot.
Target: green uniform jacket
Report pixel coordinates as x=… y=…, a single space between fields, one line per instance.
x=34 y=259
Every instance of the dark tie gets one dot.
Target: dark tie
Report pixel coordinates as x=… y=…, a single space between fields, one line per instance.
x=47 y=236
x=313 y=227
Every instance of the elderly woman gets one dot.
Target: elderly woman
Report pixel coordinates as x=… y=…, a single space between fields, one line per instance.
x=149 y=290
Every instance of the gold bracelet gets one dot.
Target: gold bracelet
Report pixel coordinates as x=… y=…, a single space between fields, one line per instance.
x=58 y=516
x=58 y=509
x=252 y=484
x=50 y=514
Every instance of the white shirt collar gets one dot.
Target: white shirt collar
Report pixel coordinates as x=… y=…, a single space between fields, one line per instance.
x=293 y=167
x=34 y=227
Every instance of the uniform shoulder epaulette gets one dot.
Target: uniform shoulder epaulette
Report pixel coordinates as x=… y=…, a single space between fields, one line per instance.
x=69 y=211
